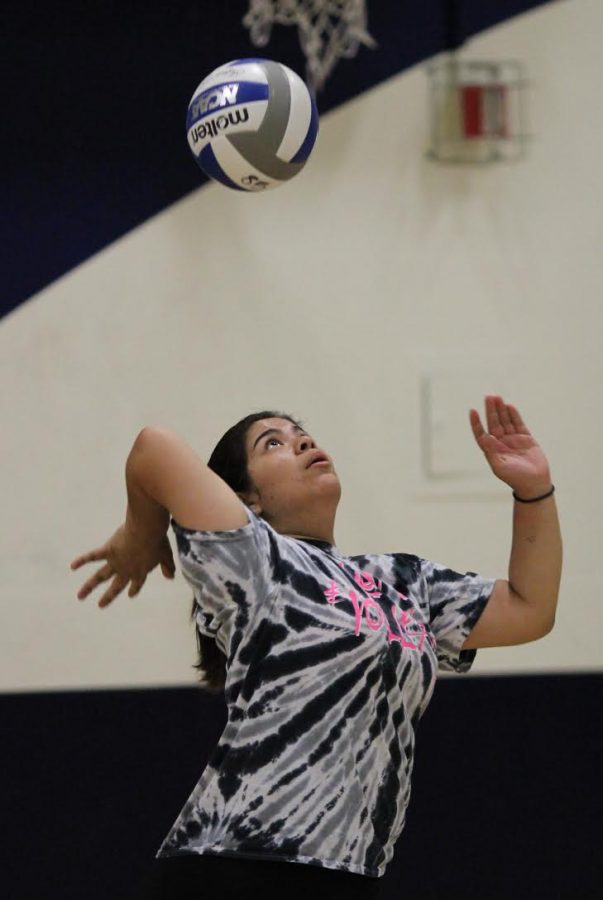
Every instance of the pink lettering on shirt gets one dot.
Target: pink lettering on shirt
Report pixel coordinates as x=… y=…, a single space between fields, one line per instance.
x=410 y=631
x=375 y=617
x=358 y=609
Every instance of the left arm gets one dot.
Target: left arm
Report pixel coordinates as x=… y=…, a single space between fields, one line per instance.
x=523 y=608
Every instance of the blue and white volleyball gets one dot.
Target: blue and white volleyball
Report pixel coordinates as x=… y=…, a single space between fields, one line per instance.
x=251 y=124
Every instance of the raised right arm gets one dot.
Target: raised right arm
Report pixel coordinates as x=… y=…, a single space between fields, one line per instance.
x=164 y=476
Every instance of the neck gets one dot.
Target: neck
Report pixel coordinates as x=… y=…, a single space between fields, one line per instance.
x=312 y=537
x=315 y=526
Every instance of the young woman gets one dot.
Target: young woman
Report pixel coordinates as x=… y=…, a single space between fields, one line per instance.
x=328 y=661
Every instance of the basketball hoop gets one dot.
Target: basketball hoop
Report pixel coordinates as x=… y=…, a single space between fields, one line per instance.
x=477 y=111
x=328 y=30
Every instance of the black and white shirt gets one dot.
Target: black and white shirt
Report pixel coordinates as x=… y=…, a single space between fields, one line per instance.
x=331 y=662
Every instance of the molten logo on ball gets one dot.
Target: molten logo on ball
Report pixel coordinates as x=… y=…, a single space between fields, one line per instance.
x=267 y=134
x=213 y=127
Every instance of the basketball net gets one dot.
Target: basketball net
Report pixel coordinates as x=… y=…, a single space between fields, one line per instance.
x=328 y=30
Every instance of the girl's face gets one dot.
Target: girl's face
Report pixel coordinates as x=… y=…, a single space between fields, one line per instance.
x=289 y=473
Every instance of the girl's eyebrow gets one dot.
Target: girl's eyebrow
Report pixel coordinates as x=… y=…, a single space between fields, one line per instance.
x=274 y=431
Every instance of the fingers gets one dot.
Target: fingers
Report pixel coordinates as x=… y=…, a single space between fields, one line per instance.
x=135 y=586
x=166 y=571
x=167 y=561
x=518 y=422
x=476 y=424
x=92 y=556
x=484 y=440
x=117 y=586
x=494 y=409
x=120 y=581
x=103 y=574
x=502 y=421
x=503 y=418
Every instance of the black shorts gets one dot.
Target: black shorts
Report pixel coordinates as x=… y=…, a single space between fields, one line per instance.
x=197 y=877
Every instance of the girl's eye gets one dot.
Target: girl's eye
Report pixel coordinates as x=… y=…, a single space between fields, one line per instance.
x=272 y=441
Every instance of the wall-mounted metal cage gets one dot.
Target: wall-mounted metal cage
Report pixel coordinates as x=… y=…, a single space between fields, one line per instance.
x=478 y=111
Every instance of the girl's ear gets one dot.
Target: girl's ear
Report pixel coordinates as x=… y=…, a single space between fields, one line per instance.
x=252 y=500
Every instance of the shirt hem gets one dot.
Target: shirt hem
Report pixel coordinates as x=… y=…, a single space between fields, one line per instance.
x=333 y=865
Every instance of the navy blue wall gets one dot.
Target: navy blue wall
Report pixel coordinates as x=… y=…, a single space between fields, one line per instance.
x=95 y=101
x=506 y=801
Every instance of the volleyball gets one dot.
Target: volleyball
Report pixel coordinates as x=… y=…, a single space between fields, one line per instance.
x=251 y=124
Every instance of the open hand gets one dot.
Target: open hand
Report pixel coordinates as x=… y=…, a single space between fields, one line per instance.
x=511 y=451
x=128 y=560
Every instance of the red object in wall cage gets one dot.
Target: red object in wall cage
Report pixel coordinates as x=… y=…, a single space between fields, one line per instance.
x=484 y=111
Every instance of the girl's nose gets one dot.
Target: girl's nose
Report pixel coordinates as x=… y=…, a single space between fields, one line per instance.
x=305 y=443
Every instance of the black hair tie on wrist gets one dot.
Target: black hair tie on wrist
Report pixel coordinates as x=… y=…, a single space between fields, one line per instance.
x=535 y=499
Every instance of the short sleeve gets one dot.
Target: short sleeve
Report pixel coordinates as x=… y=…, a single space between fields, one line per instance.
x=456 y=601
x=230 y=573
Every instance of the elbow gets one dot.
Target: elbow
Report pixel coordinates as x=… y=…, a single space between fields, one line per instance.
x=537 y=629
x=547 y=627
x=142 y=453
x=146 y=434
x=541 y=615
x=539 y=624
x=138 y=448
x=148 y=439
x=548 y=623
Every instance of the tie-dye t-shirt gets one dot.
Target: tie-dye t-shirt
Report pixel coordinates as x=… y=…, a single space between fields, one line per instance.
x=331 y=662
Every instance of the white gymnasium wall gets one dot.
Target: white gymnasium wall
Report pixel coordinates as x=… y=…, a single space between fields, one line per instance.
x=335 y=298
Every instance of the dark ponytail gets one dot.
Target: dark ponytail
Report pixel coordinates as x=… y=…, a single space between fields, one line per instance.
x=211 y=662
x=229 y=461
